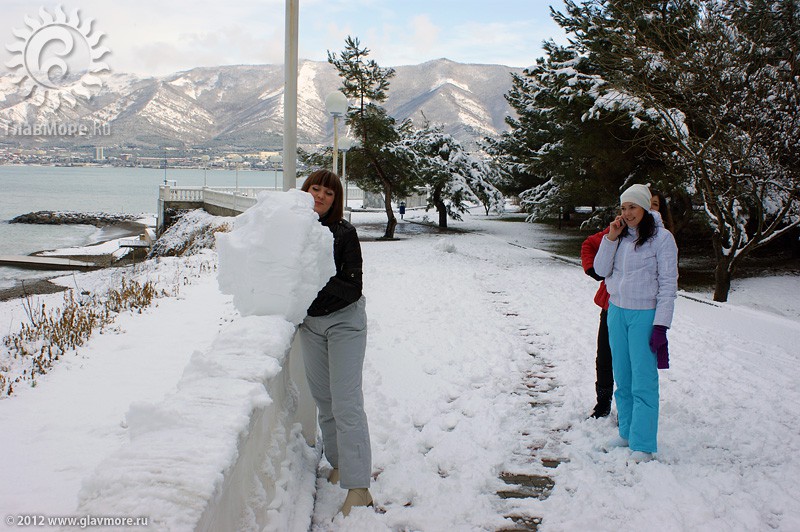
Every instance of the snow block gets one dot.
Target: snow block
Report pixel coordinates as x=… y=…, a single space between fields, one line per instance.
x=277 y=258
x=224 y=451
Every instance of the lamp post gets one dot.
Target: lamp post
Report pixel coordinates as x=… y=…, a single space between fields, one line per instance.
x=275 y=160
x=236 y=160
x=290 y=127
x=345 y=144
x=205 y=159
x=336 y=105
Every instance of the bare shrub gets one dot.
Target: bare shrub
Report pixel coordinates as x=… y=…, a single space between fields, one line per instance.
x=52 y=332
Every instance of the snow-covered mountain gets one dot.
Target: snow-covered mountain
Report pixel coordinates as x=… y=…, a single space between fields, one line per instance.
x=243 y=105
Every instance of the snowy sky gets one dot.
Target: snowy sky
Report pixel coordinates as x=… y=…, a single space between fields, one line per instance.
x=153 y=37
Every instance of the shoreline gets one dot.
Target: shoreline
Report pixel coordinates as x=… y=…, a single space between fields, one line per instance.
x=33 y=288
x=108 y=233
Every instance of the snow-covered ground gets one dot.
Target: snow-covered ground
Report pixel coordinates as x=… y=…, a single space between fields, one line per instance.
x=480 y=362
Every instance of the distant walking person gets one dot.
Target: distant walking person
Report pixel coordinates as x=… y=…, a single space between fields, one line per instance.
x=639 y=260
x=604 y=383
x=333 y=338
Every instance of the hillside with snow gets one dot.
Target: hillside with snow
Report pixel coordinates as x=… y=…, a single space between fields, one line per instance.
x=243 y=105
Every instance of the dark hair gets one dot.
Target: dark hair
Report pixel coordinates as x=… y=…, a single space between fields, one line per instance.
x=646 y=228
x=663 y=209
x=328 y=179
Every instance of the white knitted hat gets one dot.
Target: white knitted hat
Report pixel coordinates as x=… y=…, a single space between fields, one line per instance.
x=637 y=194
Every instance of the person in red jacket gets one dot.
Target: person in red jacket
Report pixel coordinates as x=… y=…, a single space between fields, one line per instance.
x=604 y=385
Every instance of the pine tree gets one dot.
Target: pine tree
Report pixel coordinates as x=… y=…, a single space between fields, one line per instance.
x=718 y=81
x=454 y=178
x=372 y=164
x=559 y=156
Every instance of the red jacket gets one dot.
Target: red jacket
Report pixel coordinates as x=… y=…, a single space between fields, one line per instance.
x=588 y=251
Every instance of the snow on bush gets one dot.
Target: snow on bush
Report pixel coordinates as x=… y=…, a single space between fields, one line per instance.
x=192 y=232
x=277 y=257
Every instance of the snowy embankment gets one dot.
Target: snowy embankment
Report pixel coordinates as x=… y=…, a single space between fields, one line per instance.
x=480 y=361
x=189 y=462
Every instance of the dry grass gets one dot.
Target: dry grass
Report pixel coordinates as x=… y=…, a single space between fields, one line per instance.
x=50 y=333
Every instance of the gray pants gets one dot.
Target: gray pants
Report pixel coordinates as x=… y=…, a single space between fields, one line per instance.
x=333 y=351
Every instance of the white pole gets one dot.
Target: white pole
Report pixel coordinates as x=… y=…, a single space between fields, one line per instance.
x=290 y=95
x=336 y=144
x=345 y=143
x=236 y=192
x=344 y=176
x=336 y=105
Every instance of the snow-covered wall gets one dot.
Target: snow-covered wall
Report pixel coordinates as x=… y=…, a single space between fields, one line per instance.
x=269 y=485
x=224 y=451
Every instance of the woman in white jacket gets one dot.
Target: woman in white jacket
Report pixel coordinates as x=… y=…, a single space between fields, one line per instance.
x=639 y=260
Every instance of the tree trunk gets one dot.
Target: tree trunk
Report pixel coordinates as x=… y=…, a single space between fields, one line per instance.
x=723 y=270
x=441 y=208
x=387 y=202
x=722 y=280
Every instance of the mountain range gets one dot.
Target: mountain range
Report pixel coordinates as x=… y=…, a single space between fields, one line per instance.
x=242 y=106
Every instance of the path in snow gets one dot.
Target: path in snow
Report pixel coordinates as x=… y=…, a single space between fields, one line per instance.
x=458 y=388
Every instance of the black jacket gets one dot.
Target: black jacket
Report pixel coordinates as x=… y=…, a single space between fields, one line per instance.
x=343 y=288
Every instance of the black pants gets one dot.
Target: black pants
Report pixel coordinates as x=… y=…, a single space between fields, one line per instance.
x=605 y=372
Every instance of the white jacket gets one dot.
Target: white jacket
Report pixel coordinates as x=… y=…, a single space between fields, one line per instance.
x=641 y=278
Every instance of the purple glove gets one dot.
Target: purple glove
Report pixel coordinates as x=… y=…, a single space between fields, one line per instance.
x=658 y=344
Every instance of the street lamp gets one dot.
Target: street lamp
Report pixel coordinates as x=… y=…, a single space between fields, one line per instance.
x=236 y=160
x=275 y=160
x=290 y=141
x=205 y=159
x=345 y=144
x=336 y=106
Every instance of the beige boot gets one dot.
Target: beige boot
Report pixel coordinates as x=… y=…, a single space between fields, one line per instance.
x=356 y=497
x=333 y=477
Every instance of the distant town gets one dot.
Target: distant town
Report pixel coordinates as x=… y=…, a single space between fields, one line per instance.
x=141 y=157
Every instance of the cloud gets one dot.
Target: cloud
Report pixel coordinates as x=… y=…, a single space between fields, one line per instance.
x=510 y=43
x=155 y=37
x=414 y=31
x=425 y=34
x=233 y=44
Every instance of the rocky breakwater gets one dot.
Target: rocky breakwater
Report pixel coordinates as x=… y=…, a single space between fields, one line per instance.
x=97 y=219
x=111 y=227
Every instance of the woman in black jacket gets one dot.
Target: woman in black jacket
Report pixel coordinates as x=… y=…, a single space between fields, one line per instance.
x=333 y=338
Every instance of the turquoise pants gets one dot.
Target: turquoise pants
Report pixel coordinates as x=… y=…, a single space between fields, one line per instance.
x=636 y=375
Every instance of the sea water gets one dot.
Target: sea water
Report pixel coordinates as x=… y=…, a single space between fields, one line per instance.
x=25 y=188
